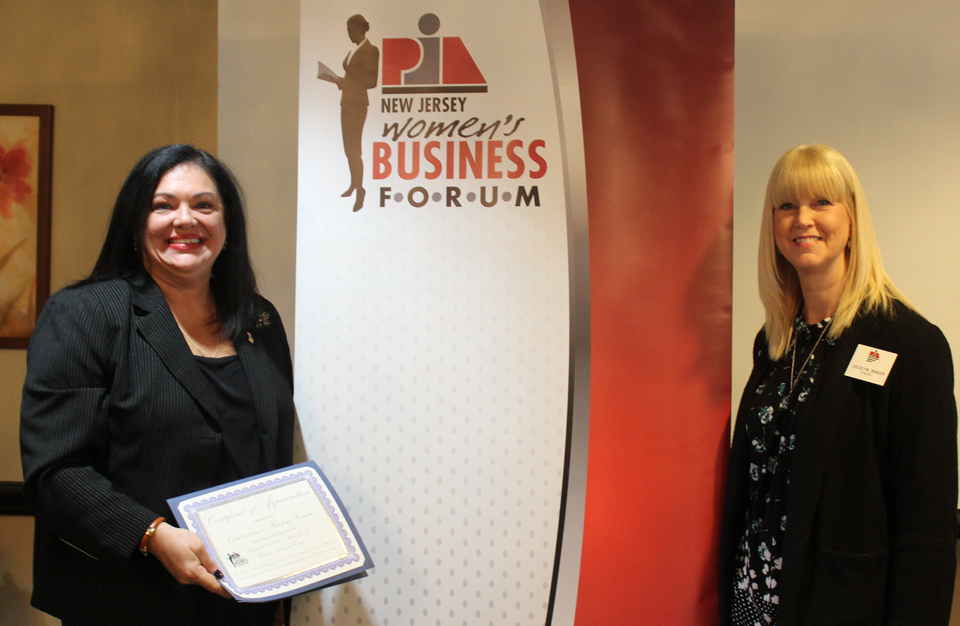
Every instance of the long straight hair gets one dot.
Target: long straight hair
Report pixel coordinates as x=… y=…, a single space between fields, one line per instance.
x=233 y=284
x=816 y=170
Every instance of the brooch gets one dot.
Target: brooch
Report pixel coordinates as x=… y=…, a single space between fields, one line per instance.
x=263 y=320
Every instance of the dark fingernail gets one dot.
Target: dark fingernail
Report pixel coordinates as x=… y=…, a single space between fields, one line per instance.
x=218 y=574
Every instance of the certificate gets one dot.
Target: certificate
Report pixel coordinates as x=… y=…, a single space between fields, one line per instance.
x=277 y=534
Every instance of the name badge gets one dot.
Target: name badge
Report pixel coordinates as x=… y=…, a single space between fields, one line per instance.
x=871 y=364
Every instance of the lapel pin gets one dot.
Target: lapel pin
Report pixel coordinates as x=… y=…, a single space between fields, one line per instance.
x=250 y=337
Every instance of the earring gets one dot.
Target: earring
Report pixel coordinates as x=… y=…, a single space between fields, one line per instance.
x=848 y=244
x=136 y=245
x=225 y=244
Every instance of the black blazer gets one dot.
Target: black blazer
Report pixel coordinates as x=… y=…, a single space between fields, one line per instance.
x=116 y=418
x=873 y=494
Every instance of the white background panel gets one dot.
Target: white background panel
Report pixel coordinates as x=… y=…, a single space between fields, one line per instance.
x=432 y=343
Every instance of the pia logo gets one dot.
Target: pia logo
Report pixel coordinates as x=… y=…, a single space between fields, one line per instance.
x=873 y=356
x=430 y=64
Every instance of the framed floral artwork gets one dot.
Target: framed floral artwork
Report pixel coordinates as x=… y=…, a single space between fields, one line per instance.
x=26 y=149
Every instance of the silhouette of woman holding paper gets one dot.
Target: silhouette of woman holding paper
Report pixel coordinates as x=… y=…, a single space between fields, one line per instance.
x=361 y=69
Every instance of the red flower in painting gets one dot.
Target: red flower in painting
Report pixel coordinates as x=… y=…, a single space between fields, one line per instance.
x=15 y=166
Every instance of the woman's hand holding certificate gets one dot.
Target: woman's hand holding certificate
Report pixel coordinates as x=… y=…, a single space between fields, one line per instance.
x=277 y=534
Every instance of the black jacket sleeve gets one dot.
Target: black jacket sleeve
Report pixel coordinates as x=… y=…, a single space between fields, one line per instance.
x=64 y=430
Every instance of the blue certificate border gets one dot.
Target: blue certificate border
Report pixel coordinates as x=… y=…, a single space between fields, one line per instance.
x=354 y=564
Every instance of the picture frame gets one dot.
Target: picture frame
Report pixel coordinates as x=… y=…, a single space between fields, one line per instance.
x=26 y=153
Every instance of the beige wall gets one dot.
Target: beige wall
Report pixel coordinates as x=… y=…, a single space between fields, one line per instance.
x=124 y=76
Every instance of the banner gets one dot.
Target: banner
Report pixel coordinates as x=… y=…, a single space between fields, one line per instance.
x=433 y=304
x=656 y=87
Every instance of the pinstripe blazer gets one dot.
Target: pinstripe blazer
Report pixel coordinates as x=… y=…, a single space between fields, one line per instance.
x=115 y=419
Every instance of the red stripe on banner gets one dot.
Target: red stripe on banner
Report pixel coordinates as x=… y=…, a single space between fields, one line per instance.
x=459 y=67
x=656 y=89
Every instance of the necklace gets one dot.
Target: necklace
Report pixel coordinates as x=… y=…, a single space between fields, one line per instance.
x=793 y=358
x=195 y=346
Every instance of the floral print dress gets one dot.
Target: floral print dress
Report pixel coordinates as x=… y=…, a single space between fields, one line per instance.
x=771 y=426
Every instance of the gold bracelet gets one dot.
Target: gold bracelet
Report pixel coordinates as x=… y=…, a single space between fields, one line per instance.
x=149 y=533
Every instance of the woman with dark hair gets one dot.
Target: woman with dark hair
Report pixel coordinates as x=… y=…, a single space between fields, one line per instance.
x=162 y=373
x=842 y=483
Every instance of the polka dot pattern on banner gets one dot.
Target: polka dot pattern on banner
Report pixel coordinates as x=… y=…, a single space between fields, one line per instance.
x=438 y=413
x=432 y=330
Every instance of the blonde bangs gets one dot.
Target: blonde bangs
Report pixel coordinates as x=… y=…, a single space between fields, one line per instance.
x=818 y=171
x=808 y=173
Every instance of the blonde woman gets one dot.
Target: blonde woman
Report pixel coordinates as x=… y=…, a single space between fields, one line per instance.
x=841 y=490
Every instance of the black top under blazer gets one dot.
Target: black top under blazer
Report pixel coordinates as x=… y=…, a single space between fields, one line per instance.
x=116 y=418
x=872 y=514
